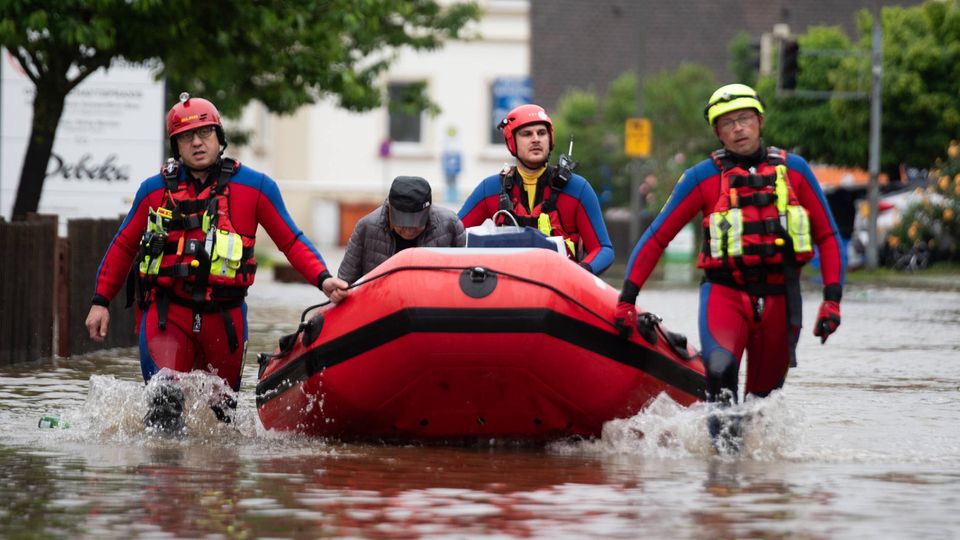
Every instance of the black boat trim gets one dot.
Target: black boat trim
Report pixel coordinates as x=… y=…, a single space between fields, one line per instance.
x=481 y=321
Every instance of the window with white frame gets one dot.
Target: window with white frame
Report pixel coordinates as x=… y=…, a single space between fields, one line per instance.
x=405 y=121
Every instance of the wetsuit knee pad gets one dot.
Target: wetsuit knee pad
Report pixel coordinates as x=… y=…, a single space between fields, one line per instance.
x=722 y=371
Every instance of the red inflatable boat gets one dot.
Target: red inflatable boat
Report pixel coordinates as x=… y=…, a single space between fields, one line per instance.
x=454 y=344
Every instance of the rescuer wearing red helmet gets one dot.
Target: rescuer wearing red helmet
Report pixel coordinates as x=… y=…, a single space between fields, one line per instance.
x=763 y=213
x=551 y=199
x=188 y=245
x=190 y=114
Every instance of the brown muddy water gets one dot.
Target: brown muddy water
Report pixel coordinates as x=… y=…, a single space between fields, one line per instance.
x=863 y=442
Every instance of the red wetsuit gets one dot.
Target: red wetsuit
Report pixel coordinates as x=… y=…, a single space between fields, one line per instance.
x=205 y=334
x=743 y=314
x=577 y=215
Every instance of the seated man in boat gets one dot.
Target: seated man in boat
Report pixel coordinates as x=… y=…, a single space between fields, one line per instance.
x=189 y=238
x=763 y=213
x=407 y=218
x=548 y=198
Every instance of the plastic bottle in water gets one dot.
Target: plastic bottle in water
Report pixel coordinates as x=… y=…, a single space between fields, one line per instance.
x=53 y=422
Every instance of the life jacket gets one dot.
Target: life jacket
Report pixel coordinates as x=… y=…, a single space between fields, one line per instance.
x=190 y=241
x=544 y=216
x=757 y=225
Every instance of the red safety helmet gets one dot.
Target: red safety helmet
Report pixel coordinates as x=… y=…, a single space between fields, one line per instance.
x=192 y=113
x=524 y=115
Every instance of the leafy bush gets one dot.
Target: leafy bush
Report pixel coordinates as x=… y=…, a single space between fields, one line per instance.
x=932 y=223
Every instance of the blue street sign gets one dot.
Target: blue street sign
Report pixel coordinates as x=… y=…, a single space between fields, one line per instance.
x=509 y=93
x=452 y=163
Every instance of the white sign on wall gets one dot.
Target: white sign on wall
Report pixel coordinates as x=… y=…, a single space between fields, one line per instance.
x=109 y=139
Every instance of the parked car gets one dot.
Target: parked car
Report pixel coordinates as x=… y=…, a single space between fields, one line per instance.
x=890 y=209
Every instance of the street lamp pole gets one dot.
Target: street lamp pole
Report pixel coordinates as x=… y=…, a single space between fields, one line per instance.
x=873 y=191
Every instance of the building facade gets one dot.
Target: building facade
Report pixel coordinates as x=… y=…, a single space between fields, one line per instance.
x=334 y=165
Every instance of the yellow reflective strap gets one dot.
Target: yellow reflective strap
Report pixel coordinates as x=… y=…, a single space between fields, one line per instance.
x=155 y=265
x=151 y=220
x=726 y=233
x=798 y=226
x=150 y=266
x=783 y=194
x=735 y=233
x=716 y=235
x=543 y=223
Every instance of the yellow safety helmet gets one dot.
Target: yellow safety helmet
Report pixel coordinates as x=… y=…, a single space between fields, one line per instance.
x=732 y=97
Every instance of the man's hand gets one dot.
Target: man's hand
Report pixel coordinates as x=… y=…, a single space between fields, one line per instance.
x=625 y=318
x=828 y=319
x=336 y=289
x=97 y=322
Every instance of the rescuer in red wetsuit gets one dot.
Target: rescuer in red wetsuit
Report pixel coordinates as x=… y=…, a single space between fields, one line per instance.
x=189 y=237
x=551 y=199
x=763 y=213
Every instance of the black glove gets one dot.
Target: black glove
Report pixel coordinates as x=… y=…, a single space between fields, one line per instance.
x=647 y=326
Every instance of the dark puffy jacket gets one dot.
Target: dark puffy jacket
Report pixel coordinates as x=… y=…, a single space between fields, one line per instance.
x=372 y=242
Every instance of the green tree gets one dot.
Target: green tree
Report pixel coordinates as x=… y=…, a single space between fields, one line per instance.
x=283 y=53
x=597 y=127
x=921 y=67
x=743 y=56
x=830 y=131
x=674 y=102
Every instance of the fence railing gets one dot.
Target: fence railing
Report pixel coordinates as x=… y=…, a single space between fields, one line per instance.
x=88 y=240
x=46 y=284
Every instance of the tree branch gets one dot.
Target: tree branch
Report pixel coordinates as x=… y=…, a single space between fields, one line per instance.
x=30 y=67
x=90 y=66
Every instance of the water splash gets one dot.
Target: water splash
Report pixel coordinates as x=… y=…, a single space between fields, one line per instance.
x=665 y=429
x=114 y=409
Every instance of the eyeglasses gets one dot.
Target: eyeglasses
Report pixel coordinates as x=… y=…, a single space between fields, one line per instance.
x=744 y=120
x=203 y=132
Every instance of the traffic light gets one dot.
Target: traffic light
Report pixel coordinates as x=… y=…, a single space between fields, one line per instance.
x=789 y=68
x=754 y=56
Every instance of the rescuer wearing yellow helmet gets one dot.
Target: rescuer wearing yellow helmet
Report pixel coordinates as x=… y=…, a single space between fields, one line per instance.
x=763 y=213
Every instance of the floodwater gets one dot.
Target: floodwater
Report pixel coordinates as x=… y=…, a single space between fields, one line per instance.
x=863 y=442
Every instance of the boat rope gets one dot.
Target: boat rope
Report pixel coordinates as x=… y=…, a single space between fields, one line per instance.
x=531 y=281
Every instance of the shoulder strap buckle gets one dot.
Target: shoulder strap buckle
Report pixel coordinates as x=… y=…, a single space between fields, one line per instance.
x=228 y=166
x=722 y=159
x=776 y=156
x=506 y=179
x=171 y=174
